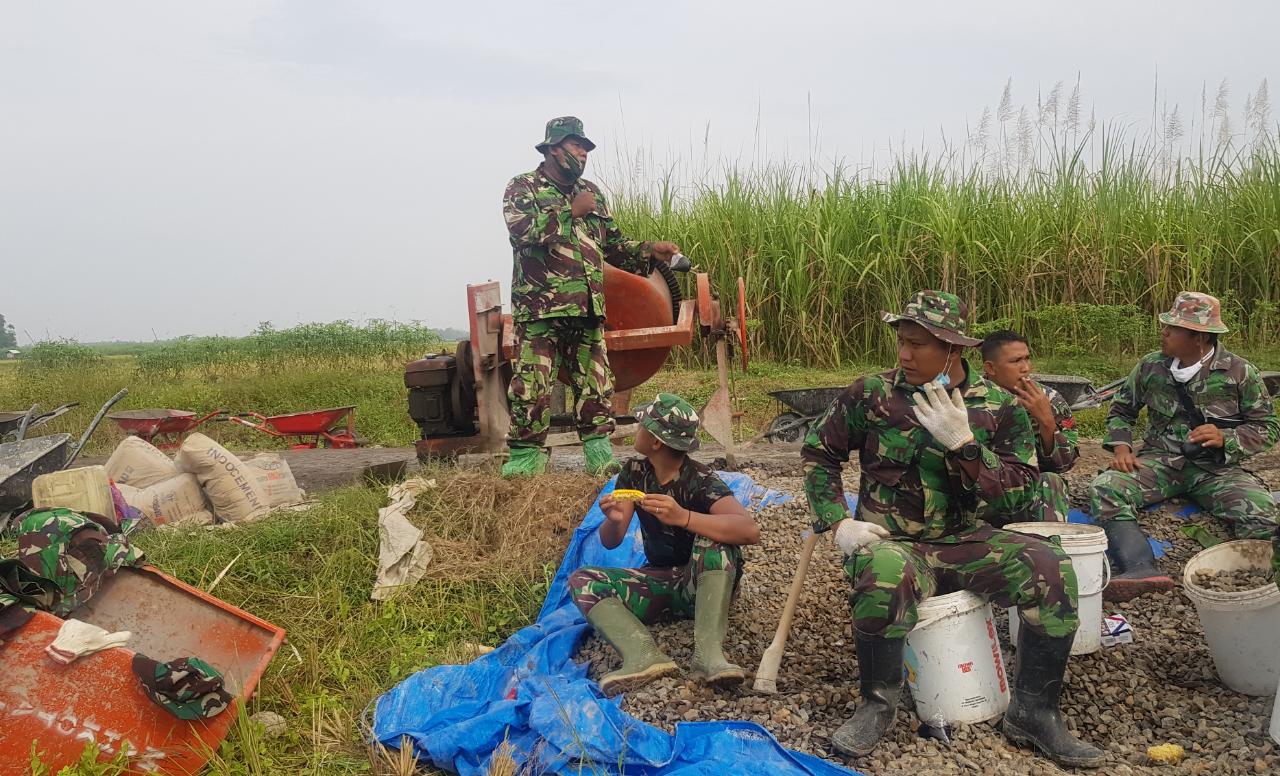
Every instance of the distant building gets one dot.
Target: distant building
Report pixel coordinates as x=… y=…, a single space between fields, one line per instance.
x=11 y=353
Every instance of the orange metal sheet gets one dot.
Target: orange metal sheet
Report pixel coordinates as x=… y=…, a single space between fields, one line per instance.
x=97 y=700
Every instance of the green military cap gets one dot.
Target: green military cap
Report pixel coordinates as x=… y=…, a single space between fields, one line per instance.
x=943 y=314
x=1198 y=312
x=672 y=420
x=560 y=128
x=188 y=688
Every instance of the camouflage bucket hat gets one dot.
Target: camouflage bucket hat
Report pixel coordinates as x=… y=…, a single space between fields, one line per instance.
x=672 y=420
x=560 y=128
x=943 y=314
x=188 y=688
x=1198 y=312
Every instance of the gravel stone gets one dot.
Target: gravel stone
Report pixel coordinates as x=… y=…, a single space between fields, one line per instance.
x=1160 y=689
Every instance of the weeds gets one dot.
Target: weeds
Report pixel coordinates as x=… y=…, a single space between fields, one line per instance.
x=823 y=255
x=269 y=350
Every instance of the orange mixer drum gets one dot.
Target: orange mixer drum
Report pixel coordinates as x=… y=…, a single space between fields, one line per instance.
x=634 y=302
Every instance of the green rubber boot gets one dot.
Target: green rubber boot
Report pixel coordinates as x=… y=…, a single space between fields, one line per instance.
x=599 y=453
x=525 y=462
x=642 y=661
x=710 y=621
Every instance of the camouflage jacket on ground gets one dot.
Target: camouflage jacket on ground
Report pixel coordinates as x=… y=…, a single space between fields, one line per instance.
x=559 y=270
x=1066 y=441
x=695 y=488
x=909 y=484
x=1230 y=388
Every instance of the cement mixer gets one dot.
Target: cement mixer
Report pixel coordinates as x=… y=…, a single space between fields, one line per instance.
x=459 y=400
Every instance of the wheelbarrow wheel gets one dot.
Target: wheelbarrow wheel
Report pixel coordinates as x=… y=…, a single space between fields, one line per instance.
x=787 y=427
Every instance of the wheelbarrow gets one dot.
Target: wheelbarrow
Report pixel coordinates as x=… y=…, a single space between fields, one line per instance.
x=311 y=429
x=11 y=421
x=96 y=701
x=806 y=405
x=163 y=428
x=24 y=460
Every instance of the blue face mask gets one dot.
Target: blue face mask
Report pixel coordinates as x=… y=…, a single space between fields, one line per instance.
x=944 y=377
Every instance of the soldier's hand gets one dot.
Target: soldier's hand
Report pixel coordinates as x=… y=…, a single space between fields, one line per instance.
x=946 y=417
x=852 y=535
x=584 y=203
x=617 y=511
x=1207 y=435
x=1035 y=401
x=1125 y=460
x=663 y=251
x=666 y=510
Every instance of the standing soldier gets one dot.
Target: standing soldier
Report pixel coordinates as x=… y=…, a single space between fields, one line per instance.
x=1207 y=411
x=561 y=232
x=927 y=458
x=1006 y=361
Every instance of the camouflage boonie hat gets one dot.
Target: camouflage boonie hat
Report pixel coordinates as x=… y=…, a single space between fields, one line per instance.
x=943 y=314
x=1198 y=312
x=561 y=128
x=188 y=688
x=672 y=420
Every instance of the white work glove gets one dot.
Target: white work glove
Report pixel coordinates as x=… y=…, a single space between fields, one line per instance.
x=852 y=535
x=944 y=417
x=76 y=639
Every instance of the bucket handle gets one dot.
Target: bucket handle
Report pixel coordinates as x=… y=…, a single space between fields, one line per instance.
x=1106 y=572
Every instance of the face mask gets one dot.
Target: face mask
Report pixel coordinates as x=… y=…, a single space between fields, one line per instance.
x=569 y=165
x=944 y=377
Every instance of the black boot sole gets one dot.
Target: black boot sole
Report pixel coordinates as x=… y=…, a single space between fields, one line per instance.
x=1025 y=739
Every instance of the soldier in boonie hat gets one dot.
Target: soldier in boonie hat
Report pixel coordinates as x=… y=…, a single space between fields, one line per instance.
x=1208 y=410
x=693 y=529
x=672 y=420
x=562 y=234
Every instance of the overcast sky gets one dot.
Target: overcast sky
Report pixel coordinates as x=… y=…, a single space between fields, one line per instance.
x=195 y=168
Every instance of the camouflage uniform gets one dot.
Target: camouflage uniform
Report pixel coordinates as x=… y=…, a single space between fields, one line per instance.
x=910 y=485
x=665 y=587
x=1050 y=498
x=557 y=296
x=1230 y=387
x=63 y=558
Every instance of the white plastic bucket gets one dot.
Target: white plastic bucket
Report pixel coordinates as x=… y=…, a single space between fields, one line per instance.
x=1086 y=545
x=1242 y=628
x=953 y=661
x=1275 y=717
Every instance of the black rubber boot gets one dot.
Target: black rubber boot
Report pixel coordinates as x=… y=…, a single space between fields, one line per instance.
x=880 y=679
x=1133 y=564
x=1034 y=717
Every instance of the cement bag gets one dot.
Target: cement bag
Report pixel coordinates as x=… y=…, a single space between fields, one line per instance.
x=276 y=480
x=176 y=501
x=228 y=483
x=139 y=464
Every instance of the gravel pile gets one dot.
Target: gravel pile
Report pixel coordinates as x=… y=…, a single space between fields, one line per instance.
x=1234 y=581
x=1161 y=688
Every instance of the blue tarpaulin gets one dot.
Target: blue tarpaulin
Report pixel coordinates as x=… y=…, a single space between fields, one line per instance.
x=530 y=693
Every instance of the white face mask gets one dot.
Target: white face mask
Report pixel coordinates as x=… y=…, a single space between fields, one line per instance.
x=1184 y=373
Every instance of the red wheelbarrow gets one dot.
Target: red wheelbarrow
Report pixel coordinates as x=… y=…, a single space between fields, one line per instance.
x=312 y=429
x=162 y=428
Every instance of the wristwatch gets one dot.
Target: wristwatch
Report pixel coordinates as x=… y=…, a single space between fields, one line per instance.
x=969 y=452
